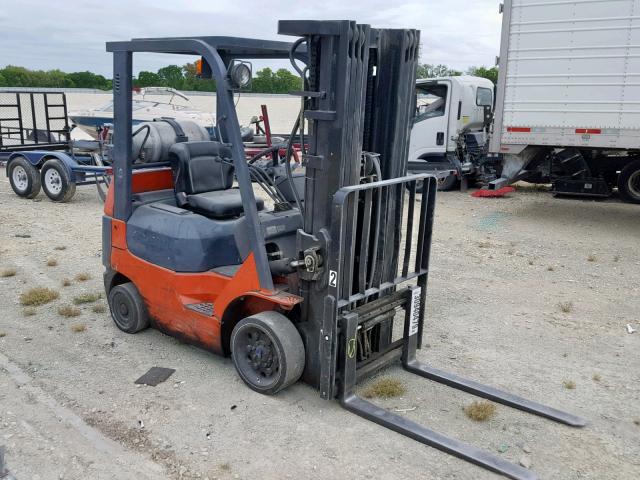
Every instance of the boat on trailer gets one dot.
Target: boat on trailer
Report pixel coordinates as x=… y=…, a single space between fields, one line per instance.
x=146 y=107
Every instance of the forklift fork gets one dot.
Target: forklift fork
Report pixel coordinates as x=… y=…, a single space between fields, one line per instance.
x=351 y=402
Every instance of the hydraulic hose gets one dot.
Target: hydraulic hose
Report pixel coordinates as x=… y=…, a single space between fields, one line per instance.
x=298 y=124
x=287 y=165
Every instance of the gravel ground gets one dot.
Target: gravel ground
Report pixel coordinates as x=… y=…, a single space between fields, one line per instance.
x=69 y=407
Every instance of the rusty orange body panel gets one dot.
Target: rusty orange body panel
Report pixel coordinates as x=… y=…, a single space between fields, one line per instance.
x=166 y=293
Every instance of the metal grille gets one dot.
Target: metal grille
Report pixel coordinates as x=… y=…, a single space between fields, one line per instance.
x=356 y=253
x=33 y=120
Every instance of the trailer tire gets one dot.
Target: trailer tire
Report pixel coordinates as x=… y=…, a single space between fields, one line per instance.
x=267 y=352
x=23 y=177
x=629 y=182
x=56 y=183
x=128 y=309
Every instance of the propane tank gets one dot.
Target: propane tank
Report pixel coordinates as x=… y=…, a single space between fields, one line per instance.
x=152 y=140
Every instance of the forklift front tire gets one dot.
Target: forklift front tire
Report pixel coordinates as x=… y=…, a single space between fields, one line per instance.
x=127 y=308
x=56 y=183
x=24 y=178
x=267 y=352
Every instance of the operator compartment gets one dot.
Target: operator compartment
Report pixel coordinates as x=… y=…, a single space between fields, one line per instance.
x=199 y=224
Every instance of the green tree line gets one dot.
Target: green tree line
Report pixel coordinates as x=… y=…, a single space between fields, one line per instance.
x=180 y=78
x=185 y=78
x=426 y=70
x=12 y=76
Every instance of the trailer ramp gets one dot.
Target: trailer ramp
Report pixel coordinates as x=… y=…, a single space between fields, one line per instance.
x=33 y=121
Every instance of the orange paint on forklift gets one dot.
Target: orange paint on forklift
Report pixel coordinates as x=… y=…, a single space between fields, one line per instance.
x=142 y=181
x=166 y=294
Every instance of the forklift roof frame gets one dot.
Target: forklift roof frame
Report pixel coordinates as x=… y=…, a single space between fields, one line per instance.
x=218 y=53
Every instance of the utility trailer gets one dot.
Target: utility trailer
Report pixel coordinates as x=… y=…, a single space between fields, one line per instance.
x=35 y=143
x=33 y=120
x=329 y=287
x=568 y=96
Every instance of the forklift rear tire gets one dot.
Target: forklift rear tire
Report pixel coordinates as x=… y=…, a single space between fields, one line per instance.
x=56 y=183
x=127 y=308
x=629 y=182
x=24 y=178
x=267 y=352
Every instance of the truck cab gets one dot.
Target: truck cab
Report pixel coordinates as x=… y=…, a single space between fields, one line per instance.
x=449 y=125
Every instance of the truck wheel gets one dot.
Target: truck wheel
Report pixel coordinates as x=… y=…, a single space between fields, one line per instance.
x=629 y=182
x=56 y=183
x=24 y=178
x=127 y=308
x=447 y=184
x=267 y=352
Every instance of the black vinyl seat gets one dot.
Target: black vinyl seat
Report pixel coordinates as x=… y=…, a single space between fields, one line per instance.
x=203 y=177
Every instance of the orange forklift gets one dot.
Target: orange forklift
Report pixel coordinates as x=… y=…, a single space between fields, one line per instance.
x=326 y=281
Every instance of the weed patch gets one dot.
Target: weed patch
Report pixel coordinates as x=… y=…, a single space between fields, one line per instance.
x=385 y=388
x=38 y=296
x=86 y=298
x=8 y=272
x=69 y=311
x=480 y=411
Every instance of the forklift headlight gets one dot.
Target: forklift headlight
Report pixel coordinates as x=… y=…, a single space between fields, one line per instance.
x=240 y=75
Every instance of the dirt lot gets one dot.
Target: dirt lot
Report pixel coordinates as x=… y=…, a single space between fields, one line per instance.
x=502 y=272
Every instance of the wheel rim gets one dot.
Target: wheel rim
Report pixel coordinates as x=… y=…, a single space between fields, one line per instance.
x=257 y=358
x=20 y=178
x=634 y=184
x=53 y=181
x=121 y=311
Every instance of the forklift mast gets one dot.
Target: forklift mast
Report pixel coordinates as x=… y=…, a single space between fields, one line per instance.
x=351 y=118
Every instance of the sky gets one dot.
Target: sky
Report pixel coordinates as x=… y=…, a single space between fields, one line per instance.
x=70 y=34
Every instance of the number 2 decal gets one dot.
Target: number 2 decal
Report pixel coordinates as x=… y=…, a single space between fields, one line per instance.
x=333 y=278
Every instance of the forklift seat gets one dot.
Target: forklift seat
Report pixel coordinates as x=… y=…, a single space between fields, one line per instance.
x=203 y=177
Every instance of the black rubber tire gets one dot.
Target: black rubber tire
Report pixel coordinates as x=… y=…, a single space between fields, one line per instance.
x=128 y=309
x=32 y=177
x=629 y=182
x=67 y=188
x=448 y=183
x=274 y=341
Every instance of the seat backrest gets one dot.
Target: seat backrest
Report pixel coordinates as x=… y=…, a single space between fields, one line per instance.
x=201 y=167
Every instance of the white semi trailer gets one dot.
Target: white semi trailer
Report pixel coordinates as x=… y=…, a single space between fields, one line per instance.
x=568 y=96
x=567 y=106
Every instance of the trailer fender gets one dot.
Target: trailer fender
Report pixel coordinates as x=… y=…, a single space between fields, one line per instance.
x=37 y=158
